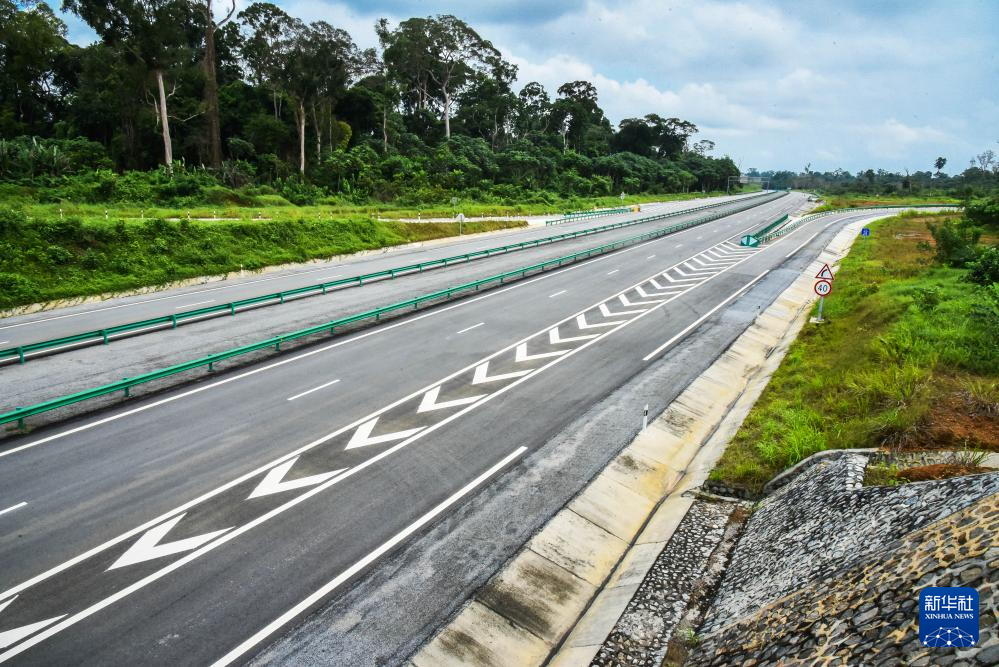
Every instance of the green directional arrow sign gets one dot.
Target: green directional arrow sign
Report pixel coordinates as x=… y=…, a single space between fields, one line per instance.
x=749 y=241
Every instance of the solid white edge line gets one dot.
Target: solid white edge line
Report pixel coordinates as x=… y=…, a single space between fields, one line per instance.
x=474 y=326
x=807 y=241
x=14 y=507
x=344 y=576
x=305 y=393
x=703 y=317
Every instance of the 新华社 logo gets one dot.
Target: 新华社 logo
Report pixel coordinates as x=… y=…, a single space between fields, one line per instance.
x=948 y=617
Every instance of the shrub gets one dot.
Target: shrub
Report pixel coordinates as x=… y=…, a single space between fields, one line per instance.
x=956 y=241
x=985 y=269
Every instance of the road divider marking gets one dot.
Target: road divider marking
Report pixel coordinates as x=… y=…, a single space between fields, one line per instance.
x=474 y=326
x=482 y=376
x=370 y=558
x=274 y=481
x=9 y=637
x=522 y=354
x=309 y=391
x=430 y=402
x=555 y=338
x=362 y=436
x=14 y=507
x=148 y=546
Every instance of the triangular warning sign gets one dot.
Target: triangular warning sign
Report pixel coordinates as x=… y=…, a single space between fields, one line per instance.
x=825 y=274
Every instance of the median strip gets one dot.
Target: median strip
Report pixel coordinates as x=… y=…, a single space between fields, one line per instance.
x=20 y=414
x=104 y=336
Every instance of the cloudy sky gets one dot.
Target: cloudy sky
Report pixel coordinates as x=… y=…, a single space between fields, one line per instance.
x=776 y=84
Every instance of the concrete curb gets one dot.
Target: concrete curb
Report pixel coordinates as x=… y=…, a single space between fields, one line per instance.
x=558 y=598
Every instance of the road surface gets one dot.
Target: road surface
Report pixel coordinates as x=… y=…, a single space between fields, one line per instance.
x=197 y=525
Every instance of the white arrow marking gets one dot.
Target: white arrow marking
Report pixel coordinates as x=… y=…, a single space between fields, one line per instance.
x=362 y=436
x=274 y=481
x=522 y=354
x=607 y=312
x=555 y=338
x=582 y=323
x=429 y=401
x=14 y=635
x=627 y=302
x=482 y=374
x=148 y=546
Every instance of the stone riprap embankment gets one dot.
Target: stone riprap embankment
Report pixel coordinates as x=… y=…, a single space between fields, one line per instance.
x=829 y=572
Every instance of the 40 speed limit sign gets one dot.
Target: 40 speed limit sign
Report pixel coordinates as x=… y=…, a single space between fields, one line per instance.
x=823 y=287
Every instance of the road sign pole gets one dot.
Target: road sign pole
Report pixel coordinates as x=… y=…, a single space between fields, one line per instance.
x=822 y=301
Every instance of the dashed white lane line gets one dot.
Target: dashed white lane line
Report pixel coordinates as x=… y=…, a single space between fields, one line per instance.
x=14 y=507
x=196 y=303
x=561 y=291
x=346 y=575
x=679 y=245
x=306 y=393
x=651 y=257
x=4 y=342
x=474 y=326
x=339 y=275
x=611 y=273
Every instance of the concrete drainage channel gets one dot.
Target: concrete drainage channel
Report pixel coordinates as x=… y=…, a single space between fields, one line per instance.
x=557 y=600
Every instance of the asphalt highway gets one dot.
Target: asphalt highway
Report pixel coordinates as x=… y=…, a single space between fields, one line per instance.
x=47 y=325
x=194 y=526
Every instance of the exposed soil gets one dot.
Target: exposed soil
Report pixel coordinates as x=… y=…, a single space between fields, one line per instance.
x=956 y=422
x=939 y=471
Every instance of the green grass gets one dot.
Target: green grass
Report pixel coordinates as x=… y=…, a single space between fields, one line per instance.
x=274 y=207
x=902 y=336
x=834 y=202
x=44 y=258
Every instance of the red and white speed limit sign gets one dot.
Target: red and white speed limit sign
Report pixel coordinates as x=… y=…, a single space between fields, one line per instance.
x=822 y=287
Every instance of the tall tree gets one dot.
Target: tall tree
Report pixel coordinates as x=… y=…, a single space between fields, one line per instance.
x=446 y=52
x=939 y=163
x=153 y=32
x=211 y=81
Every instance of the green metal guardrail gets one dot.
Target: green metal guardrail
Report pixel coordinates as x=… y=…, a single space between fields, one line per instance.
x=753 y=240
x=787 y=229
x=104 y=335
x=579 y=215
x=19 y=414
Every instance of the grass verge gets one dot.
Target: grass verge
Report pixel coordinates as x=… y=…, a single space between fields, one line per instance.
x=835 y=202
x=47 y=258
x=908 y=357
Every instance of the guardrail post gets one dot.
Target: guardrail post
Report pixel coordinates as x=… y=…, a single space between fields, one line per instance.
x=232 y=308
x=126 y=388
x=324 y=288
x=174 y=318
x=20 y=421
x=277 y=346
x=20 y=354
x=281 y=296
x=104 y=333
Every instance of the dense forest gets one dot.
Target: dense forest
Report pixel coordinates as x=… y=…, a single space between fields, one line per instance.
x=179 y=97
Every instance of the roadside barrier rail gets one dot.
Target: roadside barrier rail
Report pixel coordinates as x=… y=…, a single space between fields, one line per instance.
x=790 y=227
x=19 y=414
x=752 y=240
x=596 y=213
x=105 y=335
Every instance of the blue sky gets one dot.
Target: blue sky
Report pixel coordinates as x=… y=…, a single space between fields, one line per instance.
x=847 y=84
